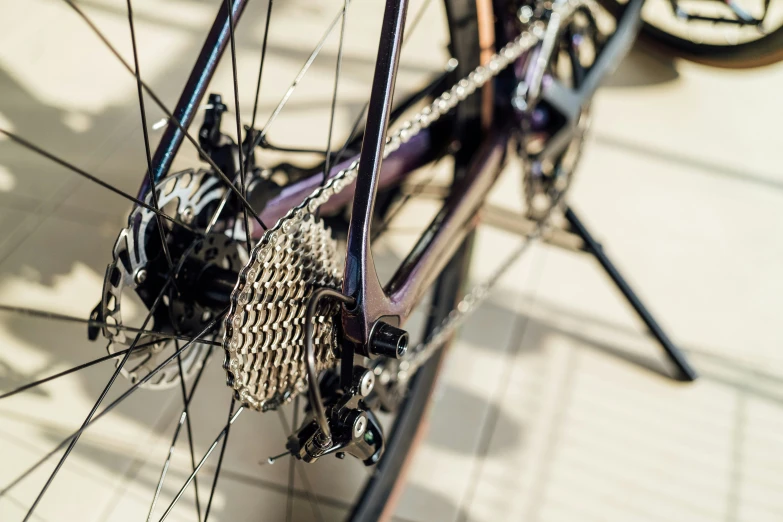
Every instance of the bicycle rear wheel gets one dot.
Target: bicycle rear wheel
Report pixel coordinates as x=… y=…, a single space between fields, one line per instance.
x=464 y=29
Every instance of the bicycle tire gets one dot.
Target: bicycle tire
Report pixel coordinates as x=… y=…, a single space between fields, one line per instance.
x=767 y=50
x=378 y=499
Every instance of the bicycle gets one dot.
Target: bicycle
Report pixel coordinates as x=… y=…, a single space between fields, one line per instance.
x=201 y=255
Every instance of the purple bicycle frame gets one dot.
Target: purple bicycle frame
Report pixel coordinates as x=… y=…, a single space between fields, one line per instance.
x=438 y=241
x=394 y=302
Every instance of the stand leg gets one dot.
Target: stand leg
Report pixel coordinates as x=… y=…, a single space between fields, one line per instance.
x=687 y=373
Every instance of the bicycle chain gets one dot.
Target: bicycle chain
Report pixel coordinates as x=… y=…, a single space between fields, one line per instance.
x=252 y=298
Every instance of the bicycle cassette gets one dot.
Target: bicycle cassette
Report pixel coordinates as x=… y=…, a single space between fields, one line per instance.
x=264 y=330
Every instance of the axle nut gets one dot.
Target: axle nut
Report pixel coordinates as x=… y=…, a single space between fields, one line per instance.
x=388 y=341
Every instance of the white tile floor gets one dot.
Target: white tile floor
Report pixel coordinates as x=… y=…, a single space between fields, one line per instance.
x=547 y=410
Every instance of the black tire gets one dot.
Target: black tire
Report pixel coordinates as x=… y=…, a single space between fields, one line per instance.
x=377 y=499
x=767 y=50
x=758 y=53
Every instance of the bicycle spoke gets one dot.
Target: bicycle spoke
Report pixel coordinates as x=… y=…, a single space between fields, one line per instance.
x=415 y=22
x=153 y=192
x=295 y=84
x=334 y=93
x=169 y=116
x=261 y=66
x=166 y=464
x=242 y=165
x=97 y=404
x=28 y=145
x=217 y=440
x=92 y=322
x=352 y=135
x=289 y=508
x=312 y=498
x=220 y=458
x=189 y=428
x=186 y=411
x=417 y=190
x=182 y=417
x=75 y=369
x=409 y=32
x=114 y=404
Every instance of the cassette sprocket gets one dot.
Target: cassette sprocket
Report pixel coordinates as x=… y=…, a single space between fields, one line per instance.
x=264 y=330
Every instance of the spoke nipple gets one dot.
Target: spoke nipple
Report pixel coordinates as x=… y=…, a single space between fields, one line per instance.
x=272 y=460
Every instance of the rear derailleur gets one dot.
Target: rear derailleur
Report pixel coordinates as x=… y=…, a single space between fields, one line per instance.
x=353 y=428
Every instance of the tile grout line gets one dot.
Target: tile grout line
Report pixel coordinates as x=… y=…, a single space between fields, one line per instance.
x=555 y=434
x=137 y=461
x=273 y=487
x=490 y=425
x=56 y=200
x=734 y=496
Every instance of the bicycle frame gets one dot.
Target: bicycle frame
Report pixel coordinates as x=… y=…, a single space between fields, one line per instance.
x=394 y=302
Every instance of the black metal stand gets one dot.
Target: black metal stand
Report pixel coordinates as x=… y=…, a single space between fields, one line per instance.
x=686 y=372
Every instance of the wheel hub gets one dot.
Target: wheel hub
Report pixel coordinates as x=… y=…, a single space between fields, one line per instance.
x=139 y=271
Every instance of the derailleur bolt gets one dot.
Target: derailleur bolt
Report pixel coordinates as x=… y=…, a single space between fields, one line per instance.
x=364 y=381
x=359 y=426
x=388 y=341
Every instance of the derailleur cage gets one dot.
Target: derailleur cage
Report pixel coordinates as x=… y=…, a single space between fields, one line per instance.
x=354 y=428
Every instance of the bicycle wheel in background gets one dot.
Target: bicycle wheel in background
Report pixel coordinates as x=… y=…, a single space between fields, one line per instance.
x=733 y=34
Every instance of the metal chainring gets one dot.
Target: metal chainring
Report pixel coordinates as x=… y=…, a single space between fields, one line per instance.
x=189 y=196
x=264 y=339
x=543 y=181
x=555 y=193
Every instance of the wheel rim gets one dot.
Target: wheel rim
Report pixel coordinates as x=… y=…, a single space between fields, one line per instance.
x=659 y=14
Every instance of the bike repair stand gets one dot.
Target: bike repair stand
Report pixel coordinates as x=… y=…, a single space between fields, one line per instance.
x=686 y=372
x=576 y=237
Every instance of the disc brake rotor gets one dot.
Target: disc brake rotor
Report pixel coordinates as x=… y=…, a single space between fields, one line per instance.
x=139 y=271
